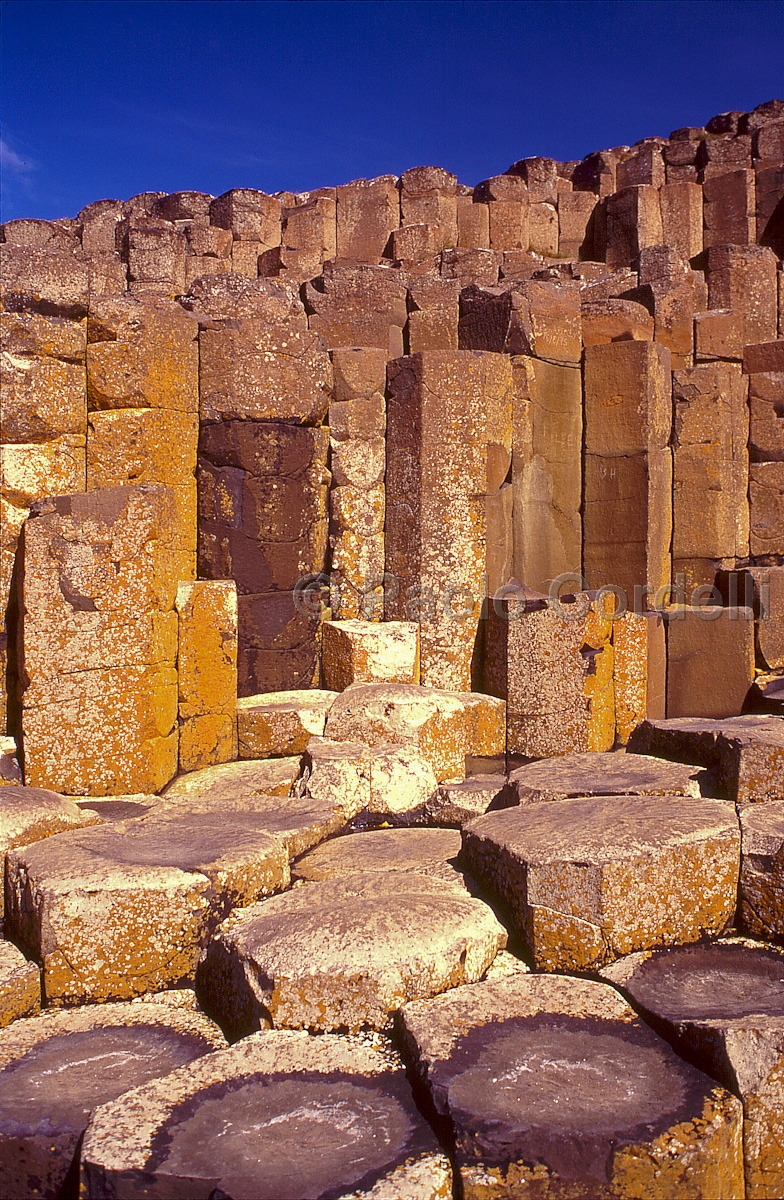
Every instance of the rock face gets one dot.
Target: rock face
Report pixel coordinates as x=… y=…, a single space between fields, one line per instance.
x=722 y=1006
x=588 y=880
x=87 y=1057
x=551 y=1086
x=303 y=1116
x=159 y=885
x=345 y=952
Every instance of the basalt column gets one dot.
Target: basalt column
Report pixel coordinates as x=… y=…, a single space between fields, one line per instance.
x=448 y=515
x=627 y=490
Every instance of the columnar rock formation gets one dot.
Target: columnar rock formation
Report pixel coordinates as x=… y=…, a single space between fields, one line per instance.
x=327 y=512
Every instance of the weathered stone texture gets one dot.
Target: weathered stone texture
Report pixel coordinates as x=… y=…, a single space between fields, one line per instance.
x=762 y=871
x=301 y=1114
x=357 y=425
x=361 y=947
x=207 y=673
x=588 y=880
x=710 y=660
x=98 y=642
x=722 y=1006
x=358 y=305
x=710 y=465
x=547 y=424
x=369 y=652
x=281 y=723
x=368 y=210
x=553 y=664
x=88 y=1057
x=448 y=454
x=627 y=519
x=506 y=1064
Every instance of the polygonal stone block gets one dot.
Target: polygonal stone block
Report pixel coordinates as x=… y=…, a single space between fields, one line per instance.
x=588 y=880
x=604 y=775
x=747 y=753
x=425 y=851
x=300 y=1116
x=444 y=726
x=722 y=1006
x=237 y=780
x=281 y=723
x=369 y=652
x=552 y=1086
x=20 y=985
x=87 y=1057
x=345 y=952
x=157 y=886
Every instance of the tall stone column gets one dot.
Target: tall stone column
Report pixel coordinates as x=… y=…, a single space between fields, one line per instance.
x=449 y=419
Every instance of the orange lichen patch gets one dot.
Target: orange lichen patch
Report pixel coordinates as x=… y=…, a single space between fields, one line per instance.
x=207 y=673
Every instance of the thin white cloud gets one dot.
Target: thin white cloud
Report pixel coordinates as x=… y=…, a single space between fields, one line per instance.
x=14 y=163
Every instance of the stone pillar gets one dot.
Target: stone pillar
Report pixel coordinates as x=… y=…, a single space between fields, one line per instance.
x=368 y=210
x=358 y=305
x=448 y=456
x=43 y=413
x=143 y=400
x=766 y=470
x=710 y=471
x=263 y=522
x=207 y=673
x=627 y=510
x=357 y=424
x=743 y=279
x=546 y=471
x=98 y=642
x=553 y=664
x=633 y=222
x=254 y=220
x=428 y=195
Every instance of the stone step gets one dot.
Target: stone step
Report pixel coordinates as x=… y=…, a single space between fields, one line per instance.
x=605 y=775
x=345 y=952
x=587 y=880
x=722 y=1006
x=20 y=985
x=298 y=1116
x=762 y=870
x=57 y=1068
x=424 y=851
x=551 y=1086
x=746 y=752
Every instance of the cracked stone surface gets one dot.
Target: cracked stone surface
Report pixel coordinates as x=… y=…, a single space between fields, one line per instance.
x=590 y=879
x=345 y=952
x=56 y=1068
x=299 y=1116
x=238 y=780
x=550 y=1086
x=721 y=1005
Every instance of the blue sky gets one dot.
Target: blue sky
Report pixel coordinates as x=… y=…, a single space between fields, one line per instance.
x=106 y=99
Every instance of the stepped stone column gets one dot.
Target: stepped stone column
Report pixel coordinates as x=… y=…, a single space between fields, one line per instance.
x=357 y=423
x=98 y=642
x=448 y=522
x=143 y=401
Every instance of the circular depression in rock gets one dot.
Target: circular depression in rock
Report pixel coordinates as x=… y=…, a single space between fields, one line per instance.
x=293 y=1136
x=61 y=1080
x=564 y=1091
x=710 y=982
